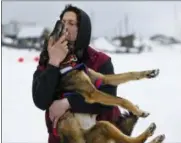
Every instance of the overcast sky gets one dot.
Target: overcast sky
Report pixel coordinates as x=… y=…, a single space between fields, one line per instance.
x=145 y=18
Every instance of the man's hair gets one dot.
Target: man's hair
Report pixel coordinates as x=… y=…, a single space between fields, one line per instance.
x=71 y=8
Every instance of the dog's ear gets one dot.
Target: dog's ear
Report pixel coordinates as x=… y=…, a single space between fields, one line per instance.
x=58 y=30
x=44 y=54
x=54 y=33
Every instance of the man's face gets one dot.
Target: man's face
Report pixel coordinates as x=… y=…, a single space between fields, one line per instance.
x=70 y=21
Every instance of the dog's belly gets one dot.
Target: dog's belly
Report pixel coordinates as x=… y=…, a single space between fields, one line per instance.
x=86 y=120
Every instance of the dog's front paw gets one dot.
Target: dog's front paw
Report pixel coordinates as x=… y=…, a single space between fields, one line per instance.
x=142 y=114
x=153 y=73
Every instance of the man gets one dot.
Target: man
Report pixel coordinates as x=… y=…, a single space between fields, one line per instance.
x=46 y=77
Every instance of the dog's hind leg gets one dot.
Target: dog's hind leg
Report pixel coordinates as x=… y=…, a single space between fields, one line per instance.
x=158 y=139
x=109 y=131
x=116 y=79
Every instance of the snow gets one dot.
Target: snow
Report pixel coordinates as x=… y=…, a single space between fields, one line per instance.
x=103 y=44
x=23 y=122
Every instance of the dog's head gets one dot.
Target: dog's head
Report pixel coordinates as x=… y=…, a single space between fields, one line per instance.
x=83 y=36
x=56 y=34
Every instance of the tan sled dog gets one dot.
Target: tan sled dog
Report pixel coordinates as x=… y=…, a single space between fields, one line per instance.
x=82 y=81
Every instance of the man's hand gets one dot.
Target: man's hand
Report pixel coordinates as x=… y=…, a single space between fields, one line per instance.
x=57 y=109
x=57 y=50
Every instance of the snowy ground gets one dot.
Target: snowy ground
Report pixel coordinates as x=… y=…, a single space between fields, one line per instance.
x=23 y=122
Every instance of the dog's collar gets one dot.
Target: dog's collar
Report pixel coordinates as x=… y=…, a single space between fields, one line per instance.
x=66 y=69
x=70 y=60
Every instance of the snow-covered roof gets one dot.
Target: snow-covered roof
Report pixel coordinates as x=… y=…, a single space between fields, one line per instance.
x=30 y=31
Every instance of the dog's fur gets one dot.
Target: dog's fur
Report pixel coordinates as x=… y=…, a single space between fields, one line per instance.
x=102 y=131
x=71 y=125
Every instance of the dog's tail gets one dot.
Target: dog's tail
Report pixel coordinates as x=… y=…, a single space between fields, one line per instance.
x=126 y=122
